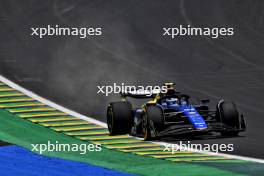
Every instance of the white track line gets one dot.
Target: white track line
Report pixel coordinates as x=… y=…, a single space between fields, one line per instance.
x=76 y=114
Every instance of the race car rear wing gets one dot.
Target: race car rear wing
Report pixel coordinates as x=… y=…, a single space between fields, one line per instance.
x=140 y=94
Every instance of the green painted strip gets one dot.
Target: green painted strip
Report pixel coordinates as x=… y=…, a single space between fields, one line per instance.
x=15 y=99
x=185 y=159
x=10 y=94
x=88 y=133
x=227 y=160
x=53 y=119
x=41 y=114
x=31 y=109
x=126 y=146
x=160 y=152
x=83 y=128
x=75 y=127
x=6 y=88
x=158 y=149
x=21 y=104
x=179 y=155
x=59 y=124
x=107 y=137
x=128 y=141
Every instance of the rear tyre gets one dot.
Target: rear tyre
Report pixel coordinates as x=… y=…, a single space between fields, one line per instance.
x=119 y=118
x=153 y=122
x=228 y=114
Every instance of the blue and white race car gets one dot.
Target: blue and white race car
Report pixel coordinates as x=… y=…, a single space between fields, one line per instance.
x=171 y=113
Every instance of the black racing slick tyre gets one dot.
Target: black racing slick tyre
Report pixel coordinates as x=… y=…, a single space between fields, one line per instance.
x=228 y=114
x=153 y=122
x=119 y=118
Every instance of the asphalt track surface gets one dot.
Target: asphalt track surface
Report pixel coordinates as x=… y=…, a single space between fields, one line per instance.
x=132 y=50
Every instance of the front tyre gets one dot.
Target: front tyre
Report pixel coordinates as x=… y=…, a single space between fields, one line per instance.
x=153 y=122
x=119 y=118
x=228 y=114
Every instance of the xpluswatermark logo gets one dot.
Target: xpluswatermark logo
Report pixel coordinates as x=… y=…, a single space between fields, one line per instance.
x=188 y=146
x=216 y=32
x=56 y=30
x=122 y=88
x=64 y=147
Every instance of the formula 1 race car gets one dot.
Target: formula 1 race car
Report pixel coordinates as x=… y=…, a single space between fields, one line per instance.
x=172 y=113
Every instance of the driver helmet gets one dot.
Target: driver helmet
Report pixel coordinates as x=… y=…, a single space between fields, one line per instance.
x=184 y=101
x=172 y=101
x=170 y=88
